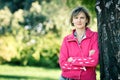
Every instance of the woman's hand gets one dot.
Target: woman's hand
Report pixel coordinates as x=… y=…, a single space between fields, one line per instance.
x=91 y=52
x=70 y=59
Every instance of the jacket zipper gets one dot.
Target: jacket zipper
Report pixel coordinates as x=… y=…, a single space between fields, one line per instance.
x=79 y=45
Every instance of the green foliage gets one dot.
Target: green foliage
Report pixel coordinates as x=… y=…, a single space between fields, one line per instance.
x=5 y=20
x=34 y=16
x=88 y=4
x=15 y=5
x=42 y=52
x=50 y=51
x=7 y=48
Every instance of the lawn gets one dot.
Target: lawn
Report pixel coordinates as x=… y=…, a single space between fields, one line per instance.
x=8 y=72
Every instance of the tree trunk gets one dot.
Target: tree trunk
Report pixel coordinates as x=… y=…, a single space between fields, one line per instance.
x=108 y=17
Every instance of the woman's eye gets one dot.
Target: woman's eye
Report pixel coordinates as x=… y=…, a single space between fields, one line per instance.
x=75 y=17
x=82 y=17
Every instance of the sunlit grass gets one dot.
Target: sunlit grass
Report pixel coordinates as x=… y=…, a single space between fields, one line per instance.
x=29 y=73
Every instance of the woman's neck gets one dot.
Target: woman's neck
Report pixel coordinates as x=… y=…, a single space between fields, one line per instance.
x=80 y=32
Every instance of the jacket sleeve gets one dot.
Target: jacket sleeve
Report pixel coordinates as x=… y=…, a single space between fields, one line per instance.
x=64 y=55
x=90 y=61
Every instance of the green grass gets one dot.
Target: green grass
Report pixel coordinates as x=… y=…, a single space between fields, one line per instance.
x=27 y=73
x=8 y=72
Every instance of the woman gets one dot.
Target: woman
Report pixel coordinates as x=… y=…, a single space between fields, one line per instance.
x=79 y=51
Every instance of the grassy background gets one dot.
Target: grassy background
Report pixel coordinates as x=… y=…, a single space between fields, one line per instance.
x=8 y=72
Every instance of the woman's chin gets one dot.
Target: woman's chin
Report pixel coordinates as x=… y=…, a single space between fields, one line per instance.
x=80 y=27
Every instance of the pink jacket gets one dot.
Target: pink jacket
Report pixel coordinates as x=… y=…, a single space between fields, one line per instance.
x=82 y=66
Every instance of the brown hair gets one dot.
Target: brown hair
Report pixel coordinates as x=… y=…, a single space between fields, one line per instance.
x=76 y=11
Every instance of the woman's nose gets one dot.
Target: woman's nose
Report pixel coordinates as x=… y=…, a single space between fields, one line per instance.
x=79 y=19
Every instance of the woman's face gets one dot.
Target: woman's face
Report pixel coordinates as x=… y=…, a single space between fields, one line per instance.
x=80 y=20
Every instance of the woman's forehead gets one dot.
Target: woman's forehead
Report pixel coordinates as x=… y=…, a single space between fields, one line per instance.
x=78 y=14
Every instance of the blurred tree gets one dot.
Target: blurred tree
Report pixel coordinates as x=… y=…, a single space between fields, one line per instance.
x=5 y=21
x=14 y=5
x=108 y=16
x=88 y=4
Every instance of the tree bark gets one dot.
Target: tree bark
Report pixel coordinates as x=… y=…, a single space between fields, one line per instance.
x=108 y=17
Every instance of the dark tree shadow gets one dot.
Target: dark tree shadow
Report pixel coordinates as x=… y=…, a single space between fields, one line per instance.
x=16 y=77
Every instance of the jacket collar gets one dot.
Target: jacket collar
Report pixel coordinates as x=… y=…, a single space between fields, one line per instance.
x=88 y=34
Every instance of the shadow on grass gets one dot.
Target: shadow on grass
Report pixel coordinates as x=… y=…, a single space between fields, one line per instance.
x=15 y=77
x=98 y=68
